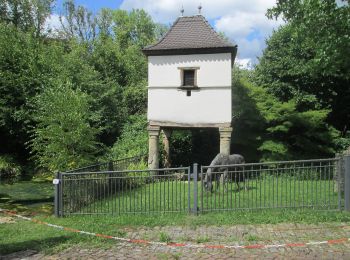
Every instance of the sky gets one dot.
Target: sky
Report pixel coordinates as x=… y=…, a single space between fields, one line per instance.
x=243 y=21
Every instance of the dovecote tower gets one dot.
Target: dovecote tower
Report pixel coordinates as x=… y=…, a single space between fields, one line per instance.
x=189 y=83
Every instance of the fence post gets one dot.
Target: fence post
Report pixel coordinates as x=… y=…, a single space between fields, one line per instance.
x=57 y=183
x=347 y=182
x=195 y=189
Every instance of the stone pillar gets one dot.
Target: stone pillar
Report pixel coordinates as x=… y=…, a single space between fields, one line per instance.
x=153 y=147
x=225 y=139
x=166 y=143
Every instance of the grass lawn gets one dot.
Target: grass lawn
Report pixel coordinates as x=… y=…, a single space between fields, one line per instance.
x=23 y=234
x=172 y=196
x=27 y=196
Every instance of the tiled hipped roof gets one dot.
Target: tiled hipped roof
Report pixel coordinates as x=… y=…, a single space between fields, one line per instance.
x=191 y=34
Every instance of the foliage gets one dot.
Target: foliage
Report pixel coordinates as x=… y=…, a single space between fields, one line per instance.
x=135 y=98
x=133 y=140
x=78 y=21
x=306 y=59
x=9 y=169
x=63 y=137
x=142 y=165
x=100 y=54
x=277 y=129
x=26 y=15
x=26 y=65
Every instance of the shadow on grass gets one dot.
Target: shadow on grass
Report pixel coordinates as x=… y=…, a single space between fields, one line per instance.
x=34 y=201
x=36 y=244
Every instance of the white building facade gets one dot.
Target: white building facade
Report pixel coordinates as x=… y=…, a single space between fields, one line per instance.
x=189 y=83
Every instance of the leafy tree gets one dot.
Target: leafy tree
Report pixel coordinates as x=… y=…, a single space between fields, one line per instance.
x=26 y=65
x=78 y=67
x=307 y=59
x=133 y=140
x=77 y=21
x=134 y=28
x=271 y=129
x=26 y=15
x=63 y=137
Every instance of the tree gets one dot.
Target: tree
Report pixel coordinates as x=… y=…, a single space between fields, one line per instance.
x=307 y=59
x=133 y=140
x=63 y=137
x=26 y=15
x=271 y=129
x=78 y=21
x=26 y=65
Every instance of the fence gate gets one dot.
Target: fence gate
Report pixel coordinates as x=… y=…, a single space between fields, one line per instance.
x=318 y=184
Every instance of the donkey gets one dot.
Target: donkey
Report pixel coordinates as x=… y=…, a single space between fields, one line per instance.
x=216 y=172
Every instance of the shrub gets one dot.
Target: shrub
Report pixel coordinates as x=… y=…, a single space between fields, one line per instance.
x=63 y=137
x=133 y=140
x=9 y=169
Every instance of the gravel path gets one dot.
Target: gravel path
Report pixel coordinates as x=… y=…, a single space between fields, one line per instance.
x=228 y=235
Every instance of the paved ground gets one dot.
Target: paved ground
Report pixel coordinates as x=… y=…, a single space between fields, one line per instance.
x=233 y=235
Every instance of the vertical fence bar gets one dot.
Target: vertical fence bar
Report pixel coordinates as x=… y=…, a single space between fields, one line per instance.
x=60 y=192
x=189 y=190
x=56 y=182
x=339 y=182
x=347 y=182
x=195 y=189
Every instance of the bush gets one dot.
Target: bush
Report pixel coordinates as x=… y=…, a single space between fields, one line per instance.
x=9 y=169
x=133 y=140
x=64 y=137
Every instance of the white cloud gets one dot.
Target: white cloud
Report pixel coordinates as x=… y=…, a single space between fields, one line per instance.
x=243 y=21
x=52 y=23
x=244 y=63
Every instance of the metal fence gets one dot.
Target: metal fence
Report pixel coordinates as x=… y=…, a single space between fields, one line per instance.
x=118 y=192
x=115 y=165
x=288 y=184
x=317 y=184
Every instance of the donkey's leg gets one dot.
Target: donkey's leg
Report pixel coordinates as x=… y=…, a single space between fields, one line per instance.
x=217 y=180
x=244 y=182
x=225 y=179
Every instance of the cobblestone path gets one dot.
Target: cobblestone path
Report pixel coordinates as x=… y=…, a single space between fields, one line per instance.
x=228 y=235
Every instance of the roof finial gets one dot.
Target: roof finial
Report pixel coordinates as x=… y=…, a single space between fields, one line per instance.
x=200 y=8
x=182 y=11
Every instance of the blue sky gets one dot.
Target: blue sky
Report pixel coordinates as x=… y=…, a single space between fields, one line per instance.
x=243 y=21
x=95 y=5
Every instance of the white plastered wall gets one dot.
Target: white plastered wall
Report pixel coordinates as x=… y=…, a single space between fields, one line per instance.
x=211 y=104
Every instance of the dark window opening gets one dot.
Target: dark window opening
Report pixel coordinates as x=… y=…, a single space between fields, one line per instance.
x=188 y=93
x=188 y=77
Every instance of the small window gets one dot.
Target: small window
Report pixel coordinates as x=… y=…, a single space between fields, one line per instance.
x=188 y=78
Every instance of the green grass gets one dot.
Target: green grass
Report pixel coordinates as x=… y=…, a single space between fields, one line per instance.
x=173 y=196
x=23 y=234
x=27 y=196
x=164 y=237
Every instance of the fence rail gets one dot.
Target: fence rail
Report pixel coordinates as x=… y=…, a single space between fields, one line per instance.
x=318 y=184
x=131 y=191
x=120 y=164
x=287 y=184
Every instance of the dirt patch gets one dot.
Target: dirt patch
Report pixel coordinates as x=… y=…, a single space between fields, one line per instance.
x=6 y=220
